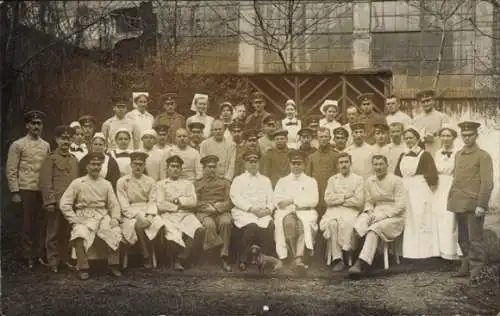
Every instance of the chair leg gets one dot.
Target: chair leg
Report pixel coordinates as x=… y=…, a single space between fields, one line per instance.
x=153 y=257
x=125 y=258
x=386 y=256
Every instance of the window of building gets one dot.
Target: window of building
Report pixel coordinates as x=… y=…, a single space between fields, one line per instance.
x=127 y=20
x=328 y=17
x=393 y=16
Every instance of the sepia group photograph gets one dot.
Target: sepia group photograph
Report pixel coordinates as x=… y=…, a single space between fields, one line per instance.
x=250 y=158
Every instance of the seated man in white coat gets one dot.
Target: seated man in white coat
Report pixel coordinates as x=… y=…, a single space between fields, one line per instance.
x=344 y=198
x=176 y=201
x=296 y=197
x=383 y=216
x=252 y=197
x=136 y=194
x=89 y=204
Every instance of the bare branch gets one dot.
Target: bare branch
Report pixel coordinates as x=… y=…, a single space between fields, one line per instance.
x=480 y=31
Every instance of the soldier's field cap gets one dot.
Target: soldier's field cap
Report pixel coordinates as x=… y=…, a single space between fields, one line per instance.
x=87 y=119
x=197 y=125
x=305 y=131
x=251 y=133
x=296 y=156
x=257 y=95
x=169 y=96
x=138 y=156
x=251 y=154
x=279 y=132
x=368 y=96
x=64 y=131
x=149 y=132
x=209 y=159
x=469 y=126
x=175 y=159
x=119 y=101
x=341 y=131
x=314 y=121
x=33 y=115
x=381 y=127
x=425 y=93
x=268 y=119
x=161 y=128
x=95 y=157
x=358 y=126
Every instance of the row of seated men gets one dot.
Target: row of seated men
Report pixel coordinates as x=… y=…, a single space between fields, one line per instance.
x=283 y=221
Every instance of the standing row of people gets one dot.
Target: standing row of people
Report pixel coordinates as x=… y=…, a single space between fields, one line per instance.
x=315 y=179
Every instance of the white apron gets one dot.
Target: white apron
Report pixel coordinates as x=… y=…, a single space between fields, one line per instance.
x=128 y=225
x=308 y=219
x=445 y=221
x=96 y=223
x=420 y=237
x=178 y=223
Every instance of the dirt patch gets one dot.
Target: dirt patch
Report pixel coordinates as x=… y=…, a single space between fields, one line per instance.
x=206 y=290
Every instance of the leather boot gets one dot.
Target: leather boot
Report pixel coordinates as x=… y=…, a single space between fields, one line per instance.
x=463 y=271
x=358 y=268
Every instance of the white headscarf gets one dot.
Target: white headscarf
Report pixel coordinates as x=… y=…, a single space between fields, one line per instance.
x=196 y=97
x=327 y=103
x=136 y=94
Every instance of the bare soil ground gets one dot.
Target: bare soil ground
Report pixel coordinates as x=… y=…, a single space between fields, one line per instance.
x=408 y=289
x=411 y=288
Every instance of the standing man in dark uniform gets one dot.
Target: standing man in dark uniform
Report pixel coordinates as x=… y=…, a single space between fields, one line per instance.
x=213 y=209
x=275 y=163
x=58 y=170
x=24 y=162
x=305 y=135
x=254 y=120
x=469 y=197
x=170 y=117
x=88 y=123
x=369 y=117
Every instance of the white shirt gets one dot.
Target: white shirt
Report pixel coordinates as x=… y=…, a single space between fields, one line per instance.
x=144 y=121
x=302 y=189
x=399 y=117
x=330 y=125
x=293 y=127
x=251 y=191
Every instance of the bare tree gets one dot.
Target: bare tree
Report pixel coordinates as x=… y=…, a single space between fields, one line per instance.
x=286 y=29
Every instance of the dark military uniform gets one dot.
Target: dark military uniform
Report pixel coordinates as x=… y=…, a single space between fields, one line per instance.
x=321 y=165
x=275 y=164
x=471 y=188
x=210 y=191
x=57 y=172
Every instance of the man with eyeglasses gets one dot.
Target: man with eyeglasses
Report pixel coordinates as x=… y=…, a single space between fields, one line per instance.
x=24 y=162
x=469 y=196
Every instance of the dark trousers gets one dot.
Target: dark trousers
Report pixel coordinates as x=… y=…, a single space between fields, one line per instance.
x=33 y=226
x=470 y=239
x=57 y=238
x=255 y=235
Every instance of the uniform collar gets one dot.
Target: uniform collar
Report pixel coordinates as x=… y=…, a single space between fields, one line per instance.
x=470 y=150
